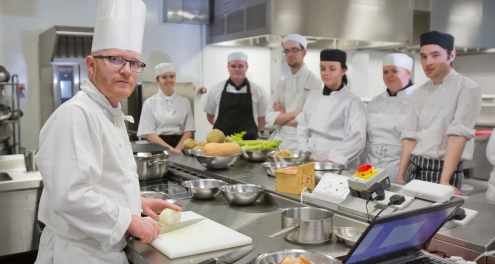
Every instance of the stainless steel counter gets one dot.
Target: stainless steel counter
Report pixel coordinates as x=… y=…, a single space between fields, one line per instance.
x=471 y=239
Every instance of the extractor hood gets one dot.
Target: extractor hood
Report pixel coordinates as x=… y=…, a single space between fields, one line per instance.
x=325 y=23
x=392 y=25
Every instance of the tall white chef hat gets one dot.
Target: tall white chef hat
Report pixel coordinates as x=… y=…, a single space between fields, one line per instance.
x=398 y=59
x=163 y=68
x=119 y=25
x=238 y=55
x=296 y=37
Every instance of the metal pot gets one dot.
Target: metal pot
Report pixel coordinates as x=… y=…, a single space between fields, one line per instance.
x=151 y=166
x=306 y=225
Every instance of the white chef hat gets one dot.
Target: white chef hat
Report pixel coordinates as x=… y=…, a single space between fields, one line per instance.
x=238 y=55
x=163 y=68
x=296 y=37
x=398 y=59
x=119 y=25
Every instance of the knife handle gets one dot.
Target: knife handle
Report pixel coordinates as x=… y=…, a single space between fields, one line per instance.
x=129 y=238
x=209 y=261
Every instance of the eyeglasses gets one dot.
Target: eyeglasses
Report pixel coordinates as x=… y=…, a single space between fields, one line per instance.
x=119 y=62
x=290 y=51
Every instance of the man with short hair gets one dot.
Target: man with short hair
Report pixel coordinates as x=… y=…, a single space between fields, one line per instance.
x=289 y=96
x=439 y=131
x=91 y=195
x=237 y=104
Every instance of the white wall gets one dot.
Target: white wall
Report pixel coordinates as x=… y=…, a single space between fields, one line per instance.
x=480 y=68
x=23 y=21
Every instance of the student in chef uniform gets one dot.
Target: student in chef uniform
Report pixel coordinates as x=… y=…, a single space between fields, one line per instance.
x=490 y=154
x=333 y=122
x=386 y=115
x=439 y=131
x=166 y=117
x=91 y=195
x=289 y=96
x=237 y=104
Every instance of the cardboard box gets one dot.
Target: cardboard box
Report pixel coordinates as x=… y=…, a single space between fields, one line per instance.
x=294 y=179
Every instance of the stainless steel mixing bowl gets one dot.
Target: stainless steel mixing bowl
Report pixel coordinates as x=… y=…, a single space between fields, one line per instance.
x=216 y=162
x=323 y=167
x=299 y=156
x=348 y=235
x=242 y=194
x=271 y=167
x=278 y=256
x=203 y=189
x=256 y=155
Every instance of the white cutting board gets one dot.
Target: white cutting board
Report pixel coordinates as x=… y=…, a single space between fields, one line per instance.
x=204 y=236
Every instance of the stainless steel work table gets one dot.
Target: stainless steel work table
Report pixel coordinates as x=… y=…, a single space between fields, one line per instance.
x=468 y=241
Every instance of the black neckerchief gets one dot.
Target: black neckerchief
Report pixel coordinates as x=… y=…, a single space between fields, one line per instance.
x=407 y=86
x=327 y=91
x=244 y=83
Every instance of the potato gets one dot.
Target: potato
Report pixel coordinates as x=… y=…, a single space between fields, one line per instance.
x=169 y=217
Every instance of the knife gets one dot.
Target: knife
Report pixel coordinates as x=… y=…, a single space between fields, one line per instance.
x=169 y=228
x=232 y=256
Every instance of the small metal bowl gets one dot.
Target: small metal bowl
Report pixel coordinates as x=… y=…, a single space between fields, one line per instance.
x=256 y=155
x=278 y=256
x=188 y=152
x=348 y=235
x=299 y=156
x=216 y=162
x=323 y=167
x=203 y=189
x=271 y=167
x=242 y=194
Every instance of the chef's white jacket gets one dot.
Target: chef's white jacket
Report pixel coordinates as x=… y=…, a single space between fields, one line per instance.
x=259 y=97
x=490 y=154
x=437 y=111
x=292 y=92
x=332 y=127
x=91 y=187
x=385 y=120
x=166 y=115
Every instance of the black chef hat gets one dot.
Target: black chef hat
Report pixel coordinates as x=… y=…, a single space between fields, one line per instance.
x=441 y=39
x=333 y=55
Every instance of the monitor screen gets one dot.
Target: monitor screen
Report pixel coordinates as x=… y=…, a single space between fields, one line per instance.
x=399 y=234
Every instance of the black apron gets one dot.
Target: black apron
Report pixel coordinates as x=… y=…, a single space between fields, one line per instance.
x=172 y=140
x=235 y=113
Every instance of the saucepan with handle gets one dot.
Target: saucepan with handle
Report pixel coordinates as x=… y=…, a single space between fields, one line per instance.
x=306 y=225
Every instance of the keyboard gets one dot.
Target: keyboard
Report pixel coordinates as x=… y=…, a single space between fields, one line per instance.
x=426 y=260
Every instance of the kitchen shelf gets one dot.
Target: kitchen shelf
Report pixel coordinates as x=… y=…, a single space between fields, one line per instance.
x=15 y=124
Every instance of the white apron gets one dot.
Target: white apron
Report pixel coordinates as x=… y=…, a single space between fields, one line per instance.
x=490 y=154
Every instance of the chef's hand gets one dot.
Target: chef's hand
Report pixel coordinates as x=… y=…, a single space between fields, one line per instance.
x=152 y=206
x=456 y=191
x=401 y=181
x=144 y=229
x=278 y=107
x=177 y=151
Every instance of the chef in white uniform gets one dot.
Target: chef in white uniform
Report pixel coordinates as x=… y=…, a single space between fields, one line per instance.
x=237 y=104
x=442 y=113
x=166 y=117
x=91 y=196
x=333 y=122
x=290 y=94
x=490 y=154
x=386 y=115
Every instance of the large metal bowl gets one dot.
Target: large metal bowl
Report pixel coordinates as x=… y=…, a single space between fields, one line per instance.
x=216 y=162
x=299 y=156
x=348 y=235
x=242 y=194
x=278 y=256
x=256 y=155
x=203 y=189
x=188 y=152
x=323 y=167
x=271 y=167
